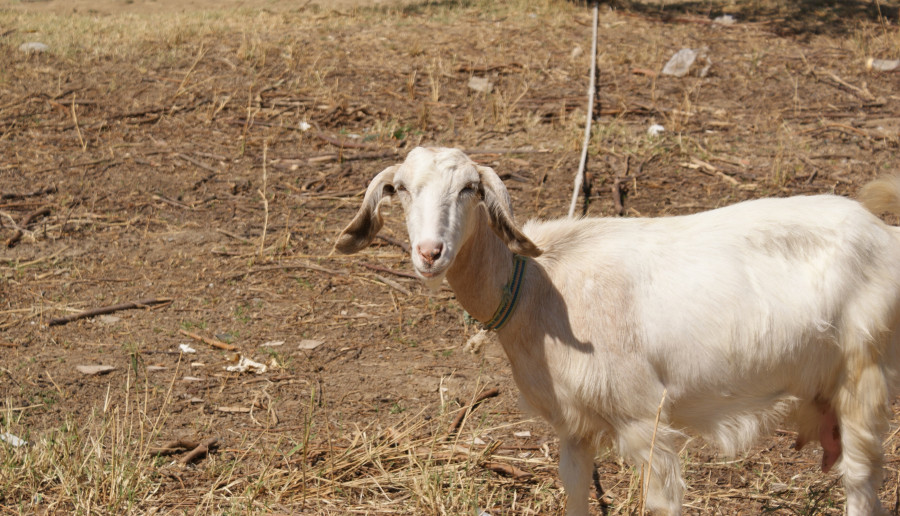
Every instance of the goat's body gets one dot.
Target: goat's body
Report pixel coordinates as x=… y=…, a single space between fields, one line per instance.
x=743 y=315
x=633 y=331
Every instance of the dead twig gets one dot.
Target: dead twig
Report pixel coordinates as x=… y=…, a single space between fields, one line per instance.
x=36 y=193
x=201 y=450
x=457 y=421
x=309 y=266
x=507 y=470
x=389 y=271
x=394 y=241
x=176 y=446
x=143 y=303
x=14 y=239
x=206 y=340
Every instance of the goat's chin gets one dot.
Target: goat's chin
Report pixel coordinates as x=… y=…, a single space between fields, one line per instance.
x=431 y=280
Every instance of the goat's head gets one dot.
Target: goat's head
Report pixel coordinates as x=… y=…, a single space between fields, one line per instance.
x=442 y=191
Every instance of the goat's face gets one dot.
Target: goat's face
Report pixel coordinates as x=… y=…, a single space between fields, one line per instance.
x=442 y=191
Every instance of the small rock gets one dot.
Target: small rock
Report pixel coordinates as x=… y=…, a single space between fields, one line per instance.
x=655 y=130
x=184 y=348
x=524 y=433
x=12 y=439
x=304 y=126
x=480 y=84
x=109 y=319
x=33 y=47
x=309 y=344
x=94 y=370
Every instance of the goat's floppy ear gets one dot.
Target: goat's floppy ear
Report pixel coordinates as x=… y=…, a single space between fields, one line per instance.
x=499 y=208
x=367 y=222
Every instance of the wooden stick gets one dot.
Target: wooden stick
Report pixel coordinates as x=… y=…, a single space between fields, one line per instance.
x=176 y=446
x=212 y=342
x=201 y=450
x=143 y=303
x=454 y=426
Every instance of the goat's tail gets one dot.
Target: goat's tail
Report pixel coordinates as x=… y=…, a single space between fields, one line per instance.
x=882 y=195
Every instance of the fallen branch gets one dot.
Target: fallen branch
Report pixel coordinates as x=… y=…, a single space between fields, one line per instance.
x=201 y=450
x=507 y=470
x=176 y=446
x=36 y=193
x=212 y=342
x=457 y=421
x=143 y=303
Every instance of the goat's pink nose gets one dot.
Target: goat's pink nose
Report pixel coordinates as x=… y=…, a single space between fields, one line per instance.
x=430 y=251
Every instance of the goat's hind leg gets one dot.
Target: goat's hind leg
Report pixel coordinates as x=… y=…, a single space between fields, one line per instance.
x=651 y=447
x=862 y=411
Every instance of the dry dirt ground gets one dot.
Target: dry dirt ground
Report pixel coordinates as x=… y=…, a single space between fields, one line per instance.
x=208 y=159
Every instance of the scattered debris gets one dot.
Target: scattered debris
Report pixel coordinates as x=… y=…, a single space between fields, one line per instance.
x=272 y=343
x=192 y=379
x=882 y=65
x=309 y=344
x=109 y=319
x=245 y=364
x=576 y=52
x=480 y=84
x=234 y=410
x=304 y=126
x=655 y=130
x=476 y=342
x=94 y=370
x=725 y=19
x=155 y=368
x=12 y=440
x=33 y=47
x=683 y=61
x=184 y=348
x=524 y=433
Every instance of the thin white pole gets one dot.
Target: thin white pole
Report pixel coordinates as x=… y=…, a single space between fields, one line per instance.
x=579 y=178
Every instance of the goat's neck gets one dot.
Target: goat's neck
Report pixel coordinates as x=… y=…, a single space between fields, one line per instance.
x=480 y=271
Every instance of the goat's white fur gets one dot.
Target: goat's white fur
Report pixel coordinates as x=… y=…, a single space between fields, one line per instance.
x=744 y=315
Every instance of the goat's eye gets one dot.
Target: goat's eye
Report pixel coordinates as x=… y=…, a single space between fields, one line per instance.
x=470 y=188
x=399 y=188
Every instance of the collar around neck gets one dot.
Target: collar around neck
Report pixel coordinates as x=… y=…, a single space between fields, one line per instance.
x=510 y=296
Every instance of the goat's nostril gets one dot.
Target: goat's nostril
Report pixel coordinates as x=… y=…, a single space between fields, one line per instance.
x=430 y=251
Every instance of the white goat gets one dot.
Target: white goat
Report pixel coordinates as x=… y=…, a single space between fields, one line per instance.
x=723 y=323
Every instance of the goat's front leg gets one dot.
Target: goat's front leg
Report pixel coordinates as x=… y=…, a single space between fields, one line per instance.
x=576 y=458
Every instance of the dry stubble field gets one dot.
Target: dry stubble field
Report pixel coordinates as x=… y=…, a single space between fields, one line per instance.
x=161 y=155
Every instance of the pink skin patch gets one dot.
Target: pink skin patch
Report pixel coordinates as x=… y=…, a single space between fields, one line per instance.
x=829 y=436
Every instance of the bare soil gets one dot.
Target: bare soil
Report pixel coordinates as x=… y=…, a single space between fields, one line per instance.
x=182 y=171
